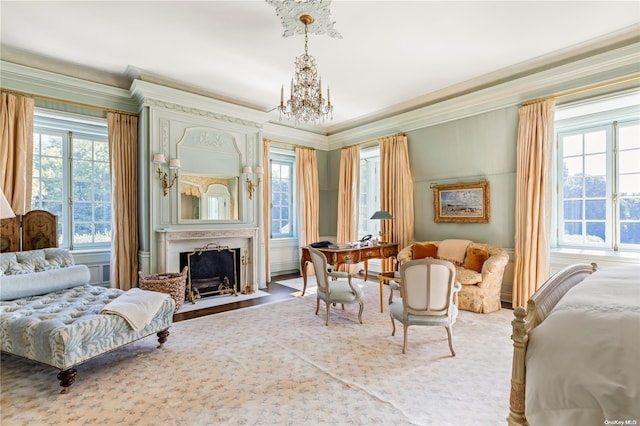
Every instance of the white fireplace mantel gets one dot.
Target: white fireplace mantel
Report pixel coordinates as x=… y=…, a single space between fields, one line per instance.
x=172 y=242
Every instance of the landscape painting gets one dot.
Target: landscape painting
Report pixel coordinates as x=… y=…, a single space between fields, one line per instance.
x=462 y=203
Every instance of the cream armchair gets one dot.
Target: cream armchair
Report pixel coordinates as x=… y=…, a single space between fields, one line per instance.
x=479 y=268
x=334 y=290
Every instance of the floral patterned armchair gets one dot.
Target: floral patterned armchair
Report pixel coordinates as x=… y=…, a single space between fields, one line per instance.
x=479 y=268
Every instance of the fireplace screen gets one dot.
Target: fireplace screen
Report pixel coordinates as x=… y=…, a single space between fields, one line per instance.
x=211 y=271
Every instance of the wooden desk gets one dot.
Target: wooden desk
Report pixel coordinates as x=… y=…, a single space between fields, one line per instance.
x=349 y=256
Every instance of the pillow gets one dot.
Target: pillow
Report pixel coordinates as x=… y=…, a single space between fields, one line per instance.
x=475 y=258
x=420 y=250
x=37 y=283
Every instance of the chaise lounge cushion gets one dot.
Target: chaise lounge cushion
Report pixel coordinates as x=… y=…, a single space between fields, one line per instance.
x=421 y=251
x=25 y=285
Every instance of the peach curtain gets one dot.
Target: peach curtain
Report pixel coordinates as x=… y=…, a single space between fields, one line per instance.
x=348 y=197
x=308 y=194
x=16 y=150
x=533 y=199
x=266 y=205
x=123 y=158
x=396 y=192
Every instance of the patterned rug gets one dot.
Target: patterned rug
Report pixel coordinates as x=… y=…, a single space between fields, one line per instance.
x=278 y=364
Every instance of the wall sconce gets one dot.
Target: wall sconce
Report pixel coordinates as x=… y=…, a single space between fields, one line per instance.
x=165 y=179
x=251 y=187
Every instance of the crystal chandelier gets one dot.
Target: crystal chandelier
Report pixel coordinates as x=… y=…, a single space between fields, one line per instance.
x=306 y=102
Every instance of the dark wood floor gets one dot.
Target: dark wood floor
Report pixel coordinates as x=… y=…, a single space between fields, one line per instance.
x=275 y=290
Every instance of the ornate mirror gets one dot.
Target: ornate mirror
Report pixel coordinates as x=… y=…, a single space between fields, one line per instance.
x=210 y=176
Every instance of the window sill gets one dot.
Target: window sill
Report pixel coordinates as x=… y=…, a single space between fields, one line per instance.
x=604 y=257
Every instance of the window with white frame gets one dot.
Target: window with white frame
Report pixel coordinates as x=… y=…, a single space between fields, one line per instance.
x=282 y=171
x=598 y=174
x=369 y=191
x=71 y=177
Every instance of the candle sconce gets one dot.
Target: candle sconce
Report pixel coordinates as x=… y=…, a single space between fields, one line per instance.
x=165 y=178
x=251 y=187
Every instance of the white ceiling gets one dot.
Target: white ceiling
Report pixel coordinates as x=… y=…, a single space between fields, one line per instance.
x=393 y=54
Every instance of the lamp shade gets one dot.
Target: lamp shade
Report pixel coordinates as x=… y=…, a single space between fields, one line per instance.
x=380 y=214
x=5 y=208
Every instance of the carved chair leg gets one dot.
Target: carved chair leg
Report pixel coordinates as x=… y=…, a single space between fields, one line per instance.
x=360 y=312
x=393 y=324
x=449 y=333
x=404 y=344
x=162 y=337
x=67 y=377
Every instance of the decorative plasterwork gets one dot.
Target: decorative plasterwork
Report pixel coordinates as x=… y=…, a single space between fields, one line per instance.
x=290 y=11
x=201 y=113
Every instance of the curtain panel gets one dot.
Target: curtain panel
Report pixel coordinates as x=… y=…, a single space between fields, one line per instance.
x=266 y=205
x=396 y=191
x=308 y=194
x=533 y=199
x=123 y=159
x=348 y=197
x=16 y=150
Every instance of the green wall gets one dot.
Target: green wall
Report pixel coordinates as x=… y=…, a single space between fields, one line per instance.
x=465 y=150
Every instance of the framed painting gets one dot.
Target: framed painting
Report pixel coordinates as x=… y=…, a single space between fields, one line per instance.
x=462 y=203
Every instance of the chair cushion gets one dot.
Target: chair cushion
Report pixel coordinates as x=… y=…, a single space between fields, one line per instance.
x=467 y=276
x=475 y=258
x=341 y=292
x=396 y=309
x=422 y=250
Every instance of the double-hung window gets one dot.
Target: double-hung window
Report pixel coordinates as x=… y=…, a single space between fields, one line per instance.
x=283 y=217
x=598 y=170
x=71 y=177
x=369 y=191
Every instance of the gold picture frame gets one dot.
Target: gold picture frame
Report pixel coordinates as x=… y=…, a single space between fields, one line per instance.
x=462 y=203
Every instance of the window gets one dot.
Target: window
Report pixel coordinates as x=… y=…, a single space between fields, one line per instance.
x=282 y=186
x=71 y=177
x=598 y=162
x=369 y=191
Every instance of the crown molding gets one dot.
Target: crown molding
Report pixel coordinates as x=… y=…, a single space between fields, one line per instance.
x=600 y=68
x=45 y=84
x=154 y=95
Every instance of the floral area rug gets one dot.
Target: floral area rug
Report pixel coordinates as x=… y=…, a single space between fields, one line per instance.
x=278 y=364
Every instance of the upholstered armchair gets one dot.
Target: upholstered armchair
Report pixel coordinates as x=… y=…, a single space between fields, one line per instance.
x=428 y=291
x=479 y=268
x=332 y=290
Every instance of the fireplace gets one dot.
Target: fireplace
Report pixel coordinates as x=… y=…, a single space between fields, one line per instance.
x=173 y=242
x=212 y=270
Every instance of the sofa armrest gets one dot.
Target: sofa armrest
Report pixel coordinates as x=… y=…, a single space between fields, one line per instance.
x=493 y=268
x=405 y=254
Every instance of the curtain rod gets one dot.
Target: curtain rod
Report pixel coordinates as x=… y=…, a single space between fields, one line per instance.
x=286 y=143
x=584 y=89
x=374 y=140
x=78 y=104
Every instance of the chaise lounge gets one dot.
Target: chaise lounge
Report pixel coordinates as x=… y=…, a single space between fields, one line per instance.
x=50 y=314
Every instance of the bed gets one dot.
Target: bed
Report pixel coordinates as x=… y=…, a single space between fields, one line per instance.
x=577 y=348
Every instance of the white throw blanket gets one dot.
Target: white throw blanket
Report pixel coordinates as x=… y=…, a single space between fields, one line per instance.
x=453 y=250
x=136 y=306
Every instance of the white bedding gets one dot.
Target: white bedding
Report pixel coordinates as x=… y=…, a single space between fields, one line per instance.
x=583 y=361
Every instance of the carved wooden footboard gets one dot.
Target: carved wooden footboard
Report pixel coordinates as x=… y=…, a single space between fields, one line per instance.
x=538 y=308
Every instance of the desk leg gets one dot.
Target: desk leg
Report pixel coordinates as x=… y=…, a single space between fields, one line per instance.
x=366 y=269
x=381 y=293
x=303 y=270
